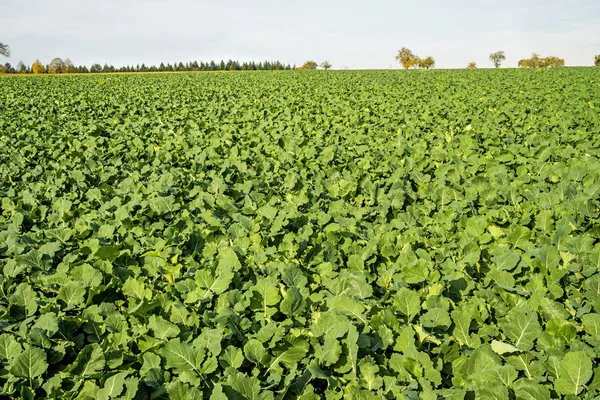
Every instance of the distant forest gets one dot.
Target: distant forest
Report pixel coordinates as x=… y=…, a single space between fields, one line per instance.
x=60 y=66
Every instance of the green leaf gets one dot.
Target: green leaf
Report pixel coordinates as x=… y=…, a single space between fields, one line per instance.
x=181 y=391
x=25 y=298
x=502 y=348
x=408 y=303
x=292 y=302
x=87 y=275
x=209 y=284
x=182 y=357
x=526 y=389
x=113 y=386
x=247 y=387
x=89 y=361
x=462 y=325
x=575 y=372
x=9 y=347
x=218 y=393
x=47 y=322
x=352 y=343
x=348 y=306
x=330 y=324
x=522 y=327
x=29 y=364
x=505 y=259
x=136 y=289
x=369 y=375
x=72 y=294
x=161 y=328
x=436 y=317
x=228 y=260
x=255 y=352
x=231 y=357
x=482 y=360
x=289 y=355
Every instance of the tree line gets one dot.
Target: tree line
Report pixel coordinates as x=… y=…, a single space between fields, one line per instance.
x=408 y=59
x=405 y=57
x=60 y=66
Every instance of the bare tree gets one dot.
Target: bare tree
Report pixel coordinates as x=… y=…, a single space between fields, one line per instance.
x=4 y=49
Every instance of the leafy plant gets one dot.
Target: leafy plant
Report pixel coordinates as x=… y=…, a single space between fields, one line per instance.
x=269 y=236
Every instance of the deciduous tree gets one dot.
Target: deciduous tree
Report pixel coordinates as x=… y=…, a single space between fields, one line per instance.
x=539 y=62
x=56 y=66
x=553 y=62
x=4 y=49
x=406 y=58
x=38 y=67
x=497 y=58
x=427 y=62
x=597 y=60
x=309 y=65
x=69 y=68
x=21 y=68
x=325 y=65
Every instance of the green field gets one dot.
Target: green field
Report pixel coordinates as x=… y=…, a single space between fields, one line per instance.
x=301 y=235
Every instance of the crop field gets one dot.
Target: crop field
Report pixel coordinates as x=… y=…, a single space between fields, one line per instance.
x=301 y=235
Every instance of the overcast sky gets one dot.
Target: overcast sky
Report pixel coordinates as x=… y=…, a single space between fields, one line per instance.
x=348 y=33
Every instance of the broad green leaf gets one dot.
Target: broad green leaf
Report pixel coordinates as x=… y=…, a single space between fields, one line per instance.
x=113 y=386
x=522 y=327
x=505 y=259
x=289 y=355
x=292 y=302
x=247 y=387
x=29 y=364
x=370 y=376
x=348 y=306
x=136 y=289
x=182 y=357
x=255 y=352
x=72 y=294
x=209 y=284
x=575 y=372
x=228 y=260
x=161 y=328
x=408 y=303
x=9 y=347
x=89 y=361
x=530 y=390
x=25 y=298
x=502 y=348
x=47 y=322
x=181 y=391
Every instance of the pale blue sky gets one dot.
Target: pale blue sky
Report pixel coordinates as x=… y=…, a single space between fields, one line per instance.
x=347 y=33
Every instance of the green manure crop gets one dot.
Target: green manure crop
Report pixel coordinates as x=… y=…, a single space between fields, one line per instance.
x=301 y=235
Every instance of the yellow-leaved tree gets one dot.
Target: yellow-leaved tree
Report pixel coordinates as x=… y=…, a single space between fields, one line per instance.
x=38 y=67
x=407 y=58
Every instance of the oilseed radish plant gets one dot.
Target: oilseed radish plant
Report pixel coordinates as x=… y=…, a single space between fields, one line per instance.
x=301 y=235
